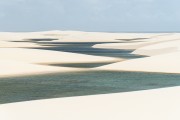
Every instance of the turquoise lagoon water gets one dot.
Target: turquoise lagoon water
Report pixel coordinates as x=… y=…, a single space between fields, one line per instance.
x=58 y=85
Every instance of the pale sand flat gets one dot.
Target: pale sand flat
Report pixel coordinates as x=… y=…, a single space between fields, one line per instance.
x=74 y=36
x=8 y=36
x=158 y=104
x=48 y=56
x=16 y=68
x=7 y=44
x=159 y=48
x=166 y=63
x=141 y=43
x=99 y=37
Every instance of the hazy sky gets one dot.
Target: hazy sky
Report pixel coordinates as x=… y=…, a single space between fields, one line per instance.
x=90 y=15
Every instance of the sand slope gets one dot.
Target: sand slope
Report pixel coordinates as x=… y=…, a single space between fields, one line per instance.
x=15 y=68
x=167 y=63
x=144 y=44
x=72 y=36
x=164 y=56
x=48 y=56
x=80 y=36
x=22 y=61
x=160 y=104
x=159 y=38
x=159 y=48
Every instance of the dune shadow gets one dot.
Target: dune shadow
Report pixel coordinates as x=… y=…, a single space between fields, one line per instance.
x=35 y=40
x=132 y=39
x=82 y=65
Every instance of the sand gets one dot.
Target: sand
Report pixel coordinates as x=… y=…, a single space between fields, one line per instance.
x=15 y=49
x=22 y=61
x=163 y=49
x=49 y=57
x=72 y=36
x=159 y=48
x=158 y=104
x=18 y=58
x=16 y=68
x=164 y=58
x=159 y=38
x=166 y=63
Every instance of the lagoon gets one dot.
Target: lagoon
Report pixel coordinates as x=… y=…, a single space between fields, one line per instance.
x=70 y=84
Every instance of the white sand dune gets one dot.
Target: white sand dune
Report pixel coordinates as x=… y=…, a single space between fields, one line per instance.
x=22 y=61
x=8 y=44
x=159 y=104
x=149 y=44
x=159 y=48
x=15 y=68
x=79 y=36
x=164 y=52
x=73 y=36
x=23 y=36
x=141 y=43
x=166 y=63
x=48 y=56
